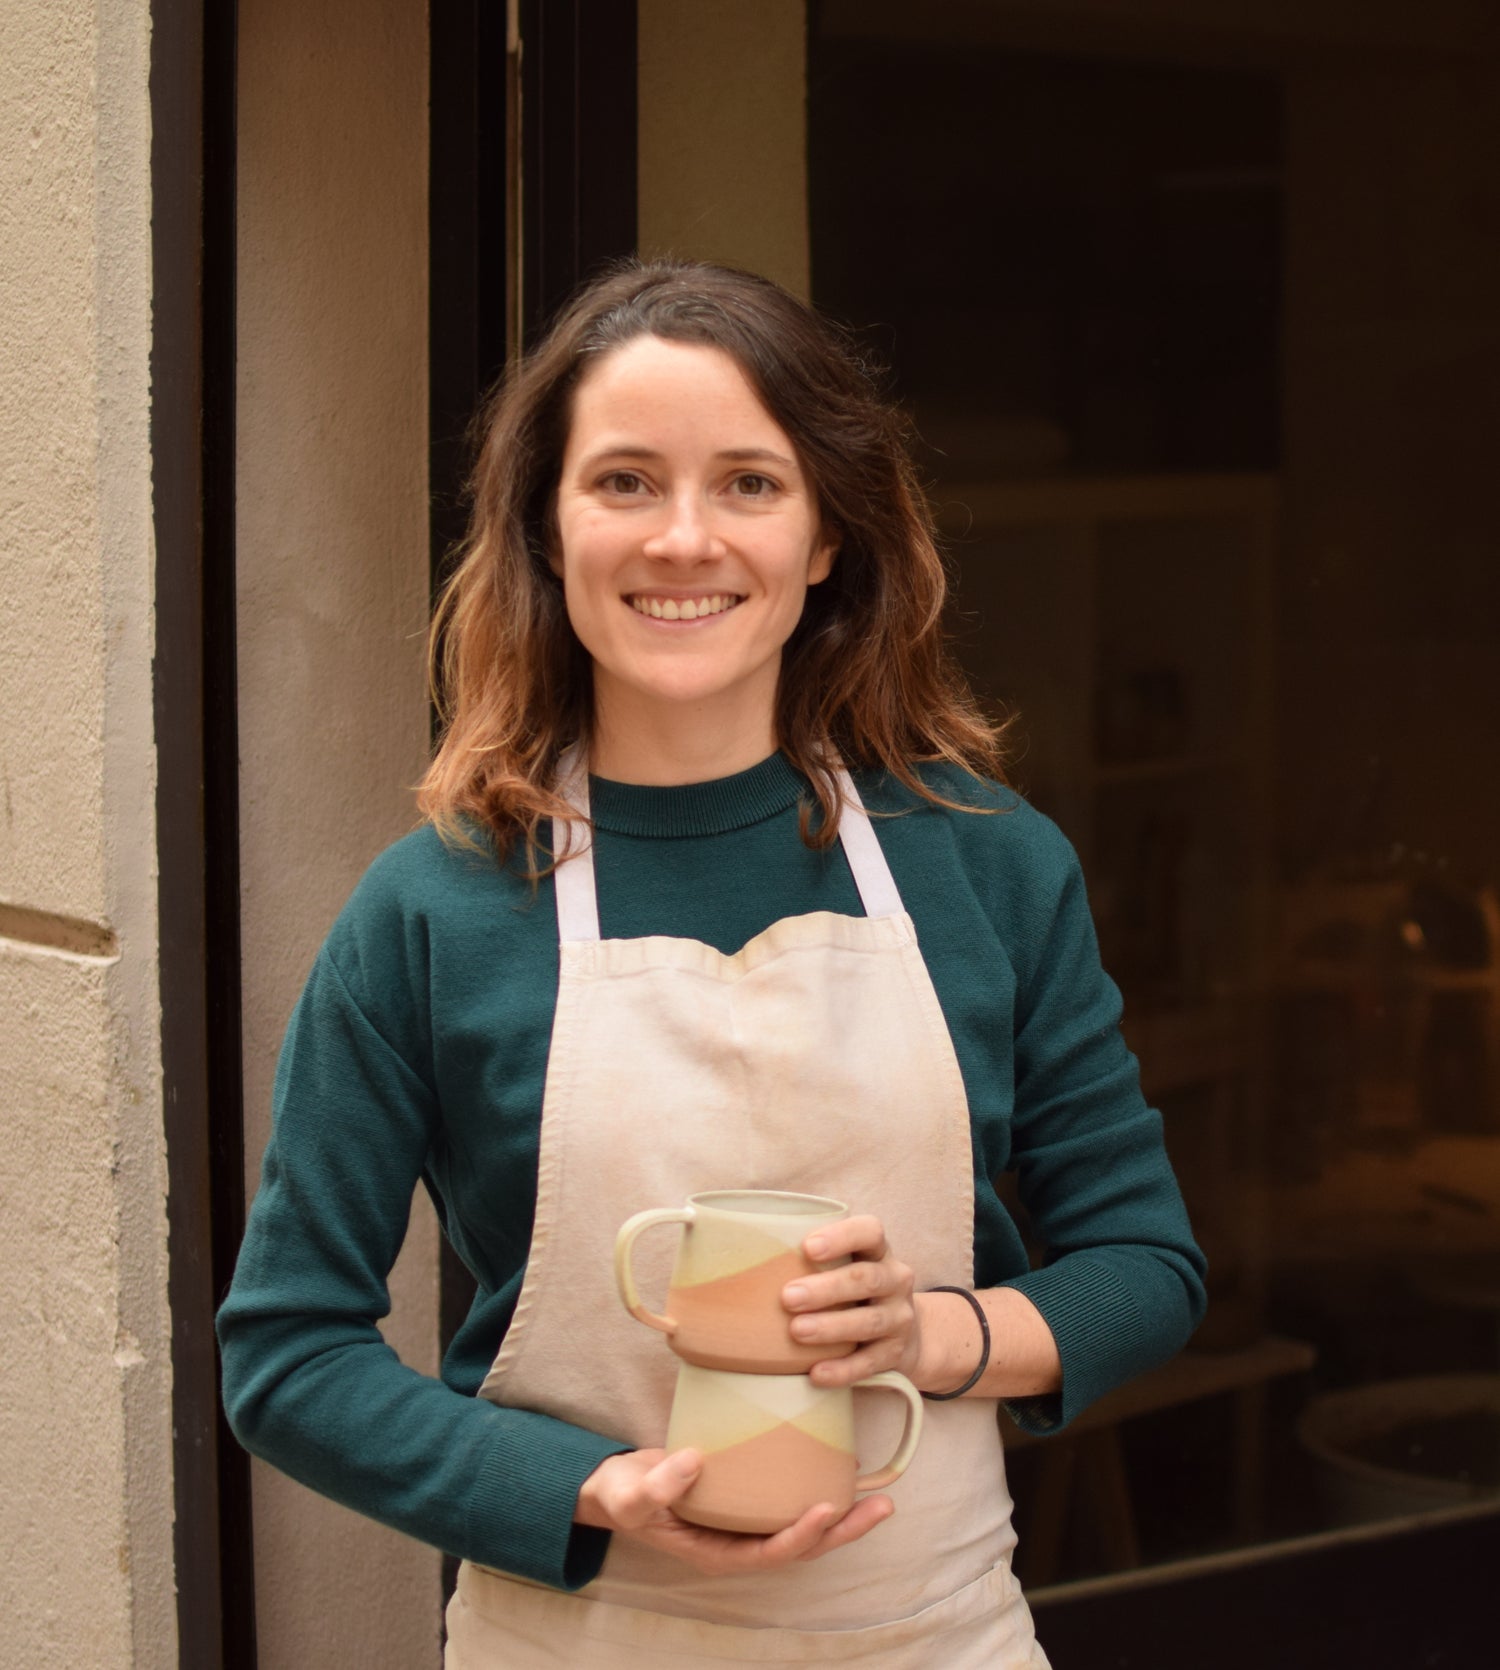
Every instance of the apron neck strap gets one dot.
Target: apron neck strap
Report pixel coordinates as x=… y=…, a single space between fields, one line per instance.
x=872 y=875
x=577 y=896
x=577 y=893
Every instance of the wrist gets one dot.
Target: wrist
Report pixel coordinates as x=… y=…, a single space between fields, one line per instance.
x=952 y=1343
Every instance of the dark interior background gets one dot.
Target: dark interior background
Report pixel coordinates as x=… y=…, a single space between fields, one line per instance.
x=1203 y=348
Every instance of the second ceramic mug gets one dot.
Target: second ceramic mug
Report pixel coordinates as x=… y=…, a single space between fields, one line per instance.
x=739 y=1249
x=775 y=1445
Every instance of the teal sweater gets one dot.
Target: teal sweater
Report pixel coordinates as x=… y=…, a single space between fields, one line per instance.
x=418 y=1052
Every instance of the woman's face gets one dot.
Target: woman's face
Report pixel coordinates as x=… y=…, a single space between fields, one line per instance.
x=687 y=538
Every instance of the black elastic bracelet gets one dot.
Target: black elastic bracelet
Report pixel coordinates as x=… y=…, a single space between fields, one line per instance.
x=984 y=1353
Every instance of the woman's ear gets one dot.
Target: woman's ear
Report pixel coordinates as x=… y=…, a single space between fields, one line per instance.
x=821 y=565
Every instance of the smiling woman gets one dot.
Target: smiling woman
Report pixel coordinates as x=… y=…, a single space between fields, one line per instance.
x=653 y=943
x=680 y=425
x=687 y=536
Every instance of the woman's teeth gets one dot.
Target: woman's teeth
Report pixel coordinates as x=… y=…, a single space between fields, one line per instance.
x=683 y=608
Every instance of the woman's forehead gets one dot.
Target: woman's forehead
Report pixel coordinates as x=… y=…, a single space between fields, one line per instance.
x=651 y=391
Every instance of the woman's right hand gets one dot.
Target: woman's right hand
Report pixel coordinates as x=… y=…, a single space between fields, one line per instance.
x=632 y=1495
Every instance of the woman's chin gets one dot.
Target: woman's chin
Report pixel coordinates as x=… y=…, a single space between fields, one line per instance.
x=664 y=697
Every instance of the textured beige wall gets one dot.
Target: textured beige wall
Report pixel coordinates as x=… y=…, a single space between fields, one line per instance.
x=85 y=1429
x=722 y=172
x=332 y=555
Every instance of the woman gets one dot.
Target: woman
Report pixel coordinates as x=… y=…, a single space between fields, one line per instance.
x=650 y=942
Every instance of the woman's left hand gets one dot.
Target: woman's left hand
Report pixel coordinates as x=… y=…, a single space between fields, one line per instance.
x=869 y=1300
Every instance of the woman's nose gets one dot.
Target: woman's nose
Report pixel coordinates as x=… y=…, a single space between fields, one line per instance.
x=685 y=533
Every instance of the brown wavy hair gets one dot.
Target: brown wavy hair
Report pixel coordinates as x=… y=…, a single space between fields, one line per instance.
x=865 y=676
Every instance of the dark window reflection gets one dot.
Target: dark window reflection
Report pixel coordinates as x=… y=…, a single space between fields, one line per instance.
x=1206 y=357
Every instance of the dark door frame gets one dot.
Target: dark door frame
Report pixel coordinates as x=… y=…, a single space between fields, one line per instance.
x=192 y=95
x=578 y=123
x=532 y=187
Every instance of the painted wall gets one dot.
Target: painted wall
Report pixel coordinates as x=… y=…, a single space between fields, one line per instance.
x=85 y=1429
x=722 y=173
x=332 y=563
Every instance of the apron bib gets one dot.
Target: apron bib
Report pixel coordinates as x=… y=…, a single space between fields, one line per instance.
x=815 y=1059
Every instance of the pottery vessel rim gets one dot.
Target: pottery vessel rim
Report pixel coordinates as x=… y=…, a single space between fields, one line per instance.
x=770 y=1203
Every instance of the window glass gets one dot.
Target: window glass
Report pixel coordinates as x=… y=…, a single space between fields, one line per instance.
x=1202 y=349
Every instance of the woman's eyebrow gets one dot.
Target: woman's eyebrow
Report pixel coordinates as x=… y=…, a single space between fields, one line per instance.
x=622 y=450
x=645 y=455
x=756 y=454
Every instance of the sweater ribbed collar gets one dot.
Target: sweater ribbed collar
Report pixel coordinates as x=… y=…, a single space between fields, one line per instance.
x=690 y=809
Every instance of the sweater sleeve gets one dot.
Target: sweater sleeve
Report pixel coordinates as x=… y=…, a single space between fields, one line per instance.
x=310 y=1384
x=1122 y=1283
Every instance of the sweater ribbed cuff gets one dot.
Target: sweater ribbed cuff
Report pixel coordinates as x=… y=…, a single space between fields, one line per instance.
x=531 y=1477
x=1101 y=1337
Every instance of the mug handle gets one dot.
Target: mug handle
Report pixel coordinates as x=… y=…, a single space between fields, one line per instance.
x=625 y=1274
x=907 y=1448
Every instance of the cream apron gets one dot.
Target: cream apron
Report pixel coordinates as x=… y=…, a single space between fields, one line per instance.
x=815 y=1059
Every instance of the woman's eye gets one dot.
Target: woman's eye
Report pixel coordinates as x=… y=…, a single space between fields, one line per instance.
x=753 y=486
x=623 y=481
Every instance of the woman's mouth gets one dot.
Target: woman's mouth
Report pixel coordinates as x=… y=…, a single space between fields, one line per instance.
x=683 y=608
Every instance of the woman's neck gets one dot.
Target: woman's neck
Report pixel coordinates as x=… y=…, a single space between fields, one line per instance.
x=642 y=743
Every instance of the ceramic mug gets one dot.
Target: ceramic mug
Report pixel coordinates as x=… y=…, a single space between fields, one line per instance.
x=775 y=1445
x=739 y=1249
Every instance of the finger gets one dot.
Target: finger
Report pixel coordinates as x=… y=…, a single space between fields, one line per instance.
x=862 y=1236
x=794 y=1542
x=860 y=1520
x=883 y=1354
x=850 y=1284
x=891 y=1319
x=669 y=1480
x=728 y=1553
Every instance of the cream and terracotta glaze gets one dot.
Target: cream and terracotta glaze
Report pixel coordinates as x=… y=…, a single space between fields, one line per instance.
x=775 y=1445
x=739 y=1249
